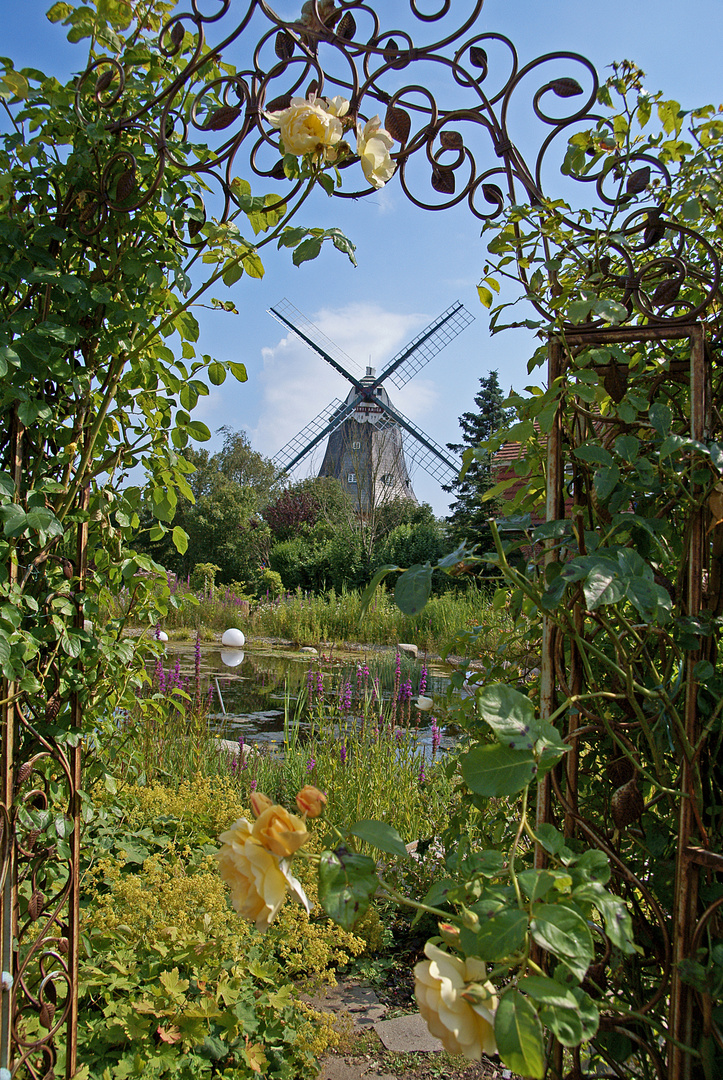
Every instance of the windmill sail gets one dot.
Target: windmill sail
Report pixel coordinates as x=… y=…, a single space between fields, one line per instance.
x=310 y=436
x=370 y=441
x=414 y=356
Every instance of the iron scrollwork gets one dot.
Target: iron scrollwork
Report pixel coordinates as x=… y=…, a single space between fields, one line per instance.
x=450 y=105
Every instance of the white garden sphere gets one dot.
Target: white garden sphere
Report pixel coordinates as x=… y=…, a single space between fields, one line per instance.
x=232 y=657
x=161 y=636
x=233 y=638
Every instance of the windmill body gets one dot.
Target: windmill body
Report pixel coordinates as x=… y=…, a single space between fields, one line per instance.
x=371 y=443
x=366 y=452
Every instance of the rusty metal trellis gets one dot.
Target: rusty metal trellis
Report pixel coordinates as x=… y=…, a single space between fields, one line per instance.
x=458 y=150
x=563 y=790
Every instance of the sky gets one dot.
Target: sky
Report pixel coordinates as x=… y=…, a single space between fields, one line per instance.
x=412 y=264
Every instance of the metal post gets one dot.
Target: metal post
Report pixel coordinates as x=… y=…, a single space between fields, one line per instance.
x=682 y=998
x=8 y=865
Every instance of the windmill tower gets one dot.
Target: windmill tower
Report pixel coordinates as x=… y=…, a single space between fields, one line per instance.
x=371 y=442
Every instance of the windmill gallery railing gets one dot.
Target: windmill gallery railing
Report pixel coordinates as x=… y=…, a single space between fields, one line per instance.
x=447 y=93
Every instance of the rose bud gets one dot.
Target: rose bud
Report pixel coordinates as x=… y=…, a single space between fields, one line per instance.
x=259 y=803
x=311 y=801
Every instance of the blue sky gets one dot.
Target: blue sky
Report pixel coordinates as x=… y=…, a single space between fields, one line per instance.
x=412 y=264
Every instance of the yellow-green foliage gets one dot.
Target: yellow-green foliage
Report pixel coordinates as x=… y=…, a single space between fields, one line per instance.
x=170 y=971
x=177 y=892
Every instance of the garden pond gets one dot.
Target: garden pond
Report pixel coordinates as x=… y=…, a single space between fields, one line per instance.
x=248 y=689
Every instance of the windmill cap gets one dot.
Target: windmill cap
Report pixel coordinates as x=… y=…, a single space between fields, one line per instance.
x=371 y=373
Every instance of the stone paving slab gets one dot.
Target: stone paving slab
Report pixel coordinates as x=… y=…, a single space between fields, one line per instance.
x=407 y=1035
x=337 y=1068
x=360 y=1002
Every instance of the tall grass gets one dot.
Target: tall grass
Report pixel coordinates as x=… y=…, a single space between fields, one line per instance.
x=368 y=766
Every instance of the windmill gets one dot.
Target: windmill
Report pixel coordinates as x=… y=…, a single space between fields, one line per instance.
x=371 y=441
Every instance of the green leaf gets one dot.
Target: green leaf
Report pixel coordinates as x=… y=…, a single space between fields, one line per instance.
x=371 y=587
x=13 y=518
x=510 y=714
x=518 y=1034
x=216 y=373
x=381 y=836
x=238 y=371
x=180 y=540
x=596 y=455
x=412 y=589
x=486 y=297
x=308 y=249
x=496 y=770
x=606 y=480
x=502 y=934
x=560 y=1008
x=562 y=931
x=347 y=883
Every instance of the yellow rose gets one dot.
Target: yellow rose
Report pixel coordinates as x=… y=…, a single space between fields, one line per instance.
x=257 y=882
x=279 y=831
x=311 y=801
x=310 y=127
x=373 y=144
x=458 y=1006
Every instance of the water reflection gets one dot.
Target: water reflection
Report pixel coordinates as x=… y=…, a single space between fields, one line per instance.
x=250 y=687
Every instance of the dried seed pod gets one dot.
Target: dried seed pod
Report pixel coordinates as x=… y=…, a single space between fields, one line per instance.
x=23 y=773
x=627 y=804
x=284 y=45
x=63 y=945
x=398 y=123
x=68 y=569
x=620 y=771
x=47 y=1012
x=616 y=382
x=53 y=706
x=126 y=183
x=36 y=905
x=32 y=839
x=221 y=118
x=443 y=180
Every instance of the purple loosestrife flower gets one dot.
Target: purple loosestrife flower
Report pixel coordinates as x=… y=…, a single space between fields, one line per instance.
x=319 y=686
x=422 y=777
x=310 y=684
x=197 y=665
x=358 y=680
x=157 y=632
x=423 y=680
x=436 y=736
x=346 y=701
x=342 y=754
x=234 y=766
x=311 y=764
x=398 y=734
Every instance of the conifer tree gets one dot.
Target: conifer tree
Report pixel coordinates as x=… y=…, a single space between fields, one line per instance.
x=468 y=515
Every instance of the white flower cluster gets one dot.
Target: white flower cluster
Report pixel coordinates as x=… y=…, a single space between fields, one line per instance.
x=316 y=127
